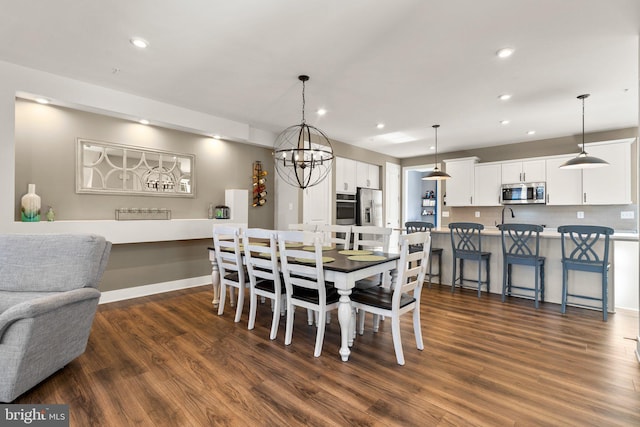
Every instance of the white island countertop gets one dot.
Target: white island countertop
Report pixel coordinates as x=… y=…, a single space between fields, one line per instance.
x=547 y=232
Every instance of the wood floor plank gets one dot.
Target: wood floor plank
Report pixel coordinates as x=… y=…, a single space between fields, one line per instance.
x=170 y=360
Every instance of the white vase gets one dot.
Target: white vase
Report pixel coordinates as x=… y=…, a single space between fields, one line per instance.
x=31 y=205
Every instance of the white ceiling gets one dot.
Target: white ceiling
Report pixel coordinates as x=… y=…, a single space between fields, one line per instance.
x=407 y=63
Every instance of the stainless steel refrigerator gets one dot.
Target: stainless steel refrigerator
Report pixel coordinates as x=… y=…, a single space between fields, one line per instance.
x=369 y=207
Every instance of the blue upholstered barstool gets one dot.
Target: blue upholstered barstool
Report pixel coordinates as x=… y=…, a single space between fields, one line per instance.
x=466 y=243
x=419 y=226
x=521 y=246
x=584 y=250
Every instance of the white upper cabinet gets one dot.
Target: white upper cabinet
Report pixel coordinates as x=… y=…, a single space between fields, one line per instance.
x=523 y=171
x=345 y=175
x=487 y=185
x=367 y=175
x=460 y=187
x=609 y=185
x=564 y=186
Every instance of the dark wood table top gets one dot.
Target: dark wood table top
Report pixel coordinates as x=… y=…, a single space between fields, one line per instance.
x=343 y=264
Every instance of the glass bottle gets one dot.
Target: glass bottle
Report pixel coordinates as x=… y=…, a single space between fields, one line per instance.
x=51 y=215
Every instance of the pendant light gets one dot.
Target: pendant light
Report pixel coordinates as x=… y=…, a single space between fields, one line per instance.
x=436 y=174
x=583 y=160
x=303 y=154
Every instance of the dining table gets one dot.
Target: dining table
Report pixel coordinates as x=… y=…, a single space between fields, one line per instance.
x=344 y=269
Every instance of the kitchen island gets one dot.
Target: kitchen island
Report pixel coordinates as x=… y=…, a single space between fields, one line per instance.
x=550 y=248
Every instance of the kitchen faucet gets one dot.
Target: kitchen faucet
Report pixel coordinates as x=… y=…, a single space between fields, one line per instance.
x=502 y=215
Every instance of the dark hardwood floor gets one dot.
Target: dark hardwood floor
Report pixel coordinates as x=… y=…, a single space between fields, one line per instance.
x=169 y=360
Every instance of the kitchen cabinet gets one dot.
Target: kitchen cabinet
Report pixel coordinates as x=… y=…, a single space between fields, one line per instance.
x=487 y=181
x=460 y=187
x=609 y=185
x=564 y=186
x=367 y=175
x=523 y=171
x=316 y=203
x=345 y=175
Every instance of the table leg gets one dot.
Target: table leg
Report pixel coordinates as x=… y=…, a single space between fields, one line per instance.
x=215 y=278
x=394 y=277
x=344 y=317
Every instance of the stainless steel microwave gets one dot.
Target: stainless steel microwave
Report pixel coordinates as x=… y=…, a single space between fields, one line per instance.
x=524 y=193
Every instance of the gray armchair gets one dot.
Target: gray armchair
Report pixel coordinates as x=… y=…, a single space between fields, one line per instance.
x=48 y=299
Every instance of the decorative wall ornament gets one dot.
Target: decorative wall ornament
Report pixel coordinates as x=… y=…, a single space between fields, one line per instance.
x=107 y=168
x=259 y=189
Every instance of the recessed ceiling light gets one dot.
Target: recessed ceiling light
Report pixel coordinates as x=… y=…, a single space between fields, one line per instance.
x=216 y=137
x=380 y=125
x=504 y=122
x=139 y=42
x=505 y=52
x=504 y=97
x=531 y=132
x=42 y=100
x=432 y=148
x=144 y=121
x=321 y=111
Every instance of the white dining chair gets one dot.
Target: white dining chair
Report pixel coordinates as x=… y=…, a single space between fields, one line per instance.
x=403 y=297
x=336 y=234
x=264 y=274
x=373 y=238
x=226 y=243
x=304 y=282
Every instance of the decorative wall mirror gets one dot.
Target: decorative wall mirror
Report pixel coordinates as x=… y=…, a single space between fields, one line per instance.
x=106 y=168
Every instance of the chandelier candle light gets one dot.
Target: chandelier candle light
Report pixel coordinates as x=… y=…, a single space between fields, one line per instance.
x=583 y=160
x=436 y=174
x=303 y=154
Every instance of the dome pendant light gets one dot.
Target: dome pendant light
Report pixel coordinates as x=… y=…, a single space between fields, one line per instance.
x=302 y=153
x=583 y=160
x=436 y=174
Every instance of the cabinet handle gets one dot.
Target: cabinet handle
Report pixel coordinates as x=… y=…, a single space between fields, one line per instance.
x=524 y=176
x=520 y=177
x=345 y=186
x=584 y=197
x=471 y=200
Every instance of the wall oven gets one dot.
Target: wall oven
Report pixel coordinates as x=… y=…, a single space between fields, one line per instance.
x=345 y=209
x=525 y=193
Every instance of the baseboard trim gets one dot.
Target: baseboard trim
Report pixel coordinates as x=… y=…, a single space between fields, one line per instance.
x=155 y=288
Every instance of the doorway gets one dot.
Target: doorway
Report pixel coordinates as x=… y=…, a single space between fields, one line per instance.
x=422 y=199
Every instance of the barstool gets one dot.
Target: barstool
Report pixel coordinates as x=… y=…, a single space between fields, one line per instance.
x=466 y=243
x=583 y=250
x=418 y=226
x=517 y=243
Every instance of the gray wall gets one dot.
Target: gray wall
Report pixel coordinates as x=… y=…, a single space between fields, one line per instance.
x=45 y=155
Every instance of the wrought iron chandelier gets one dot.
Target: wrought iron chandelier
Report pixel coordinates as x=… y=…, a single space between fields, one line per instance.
x=303 y=154
x=583 y=160
x=436 y=174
